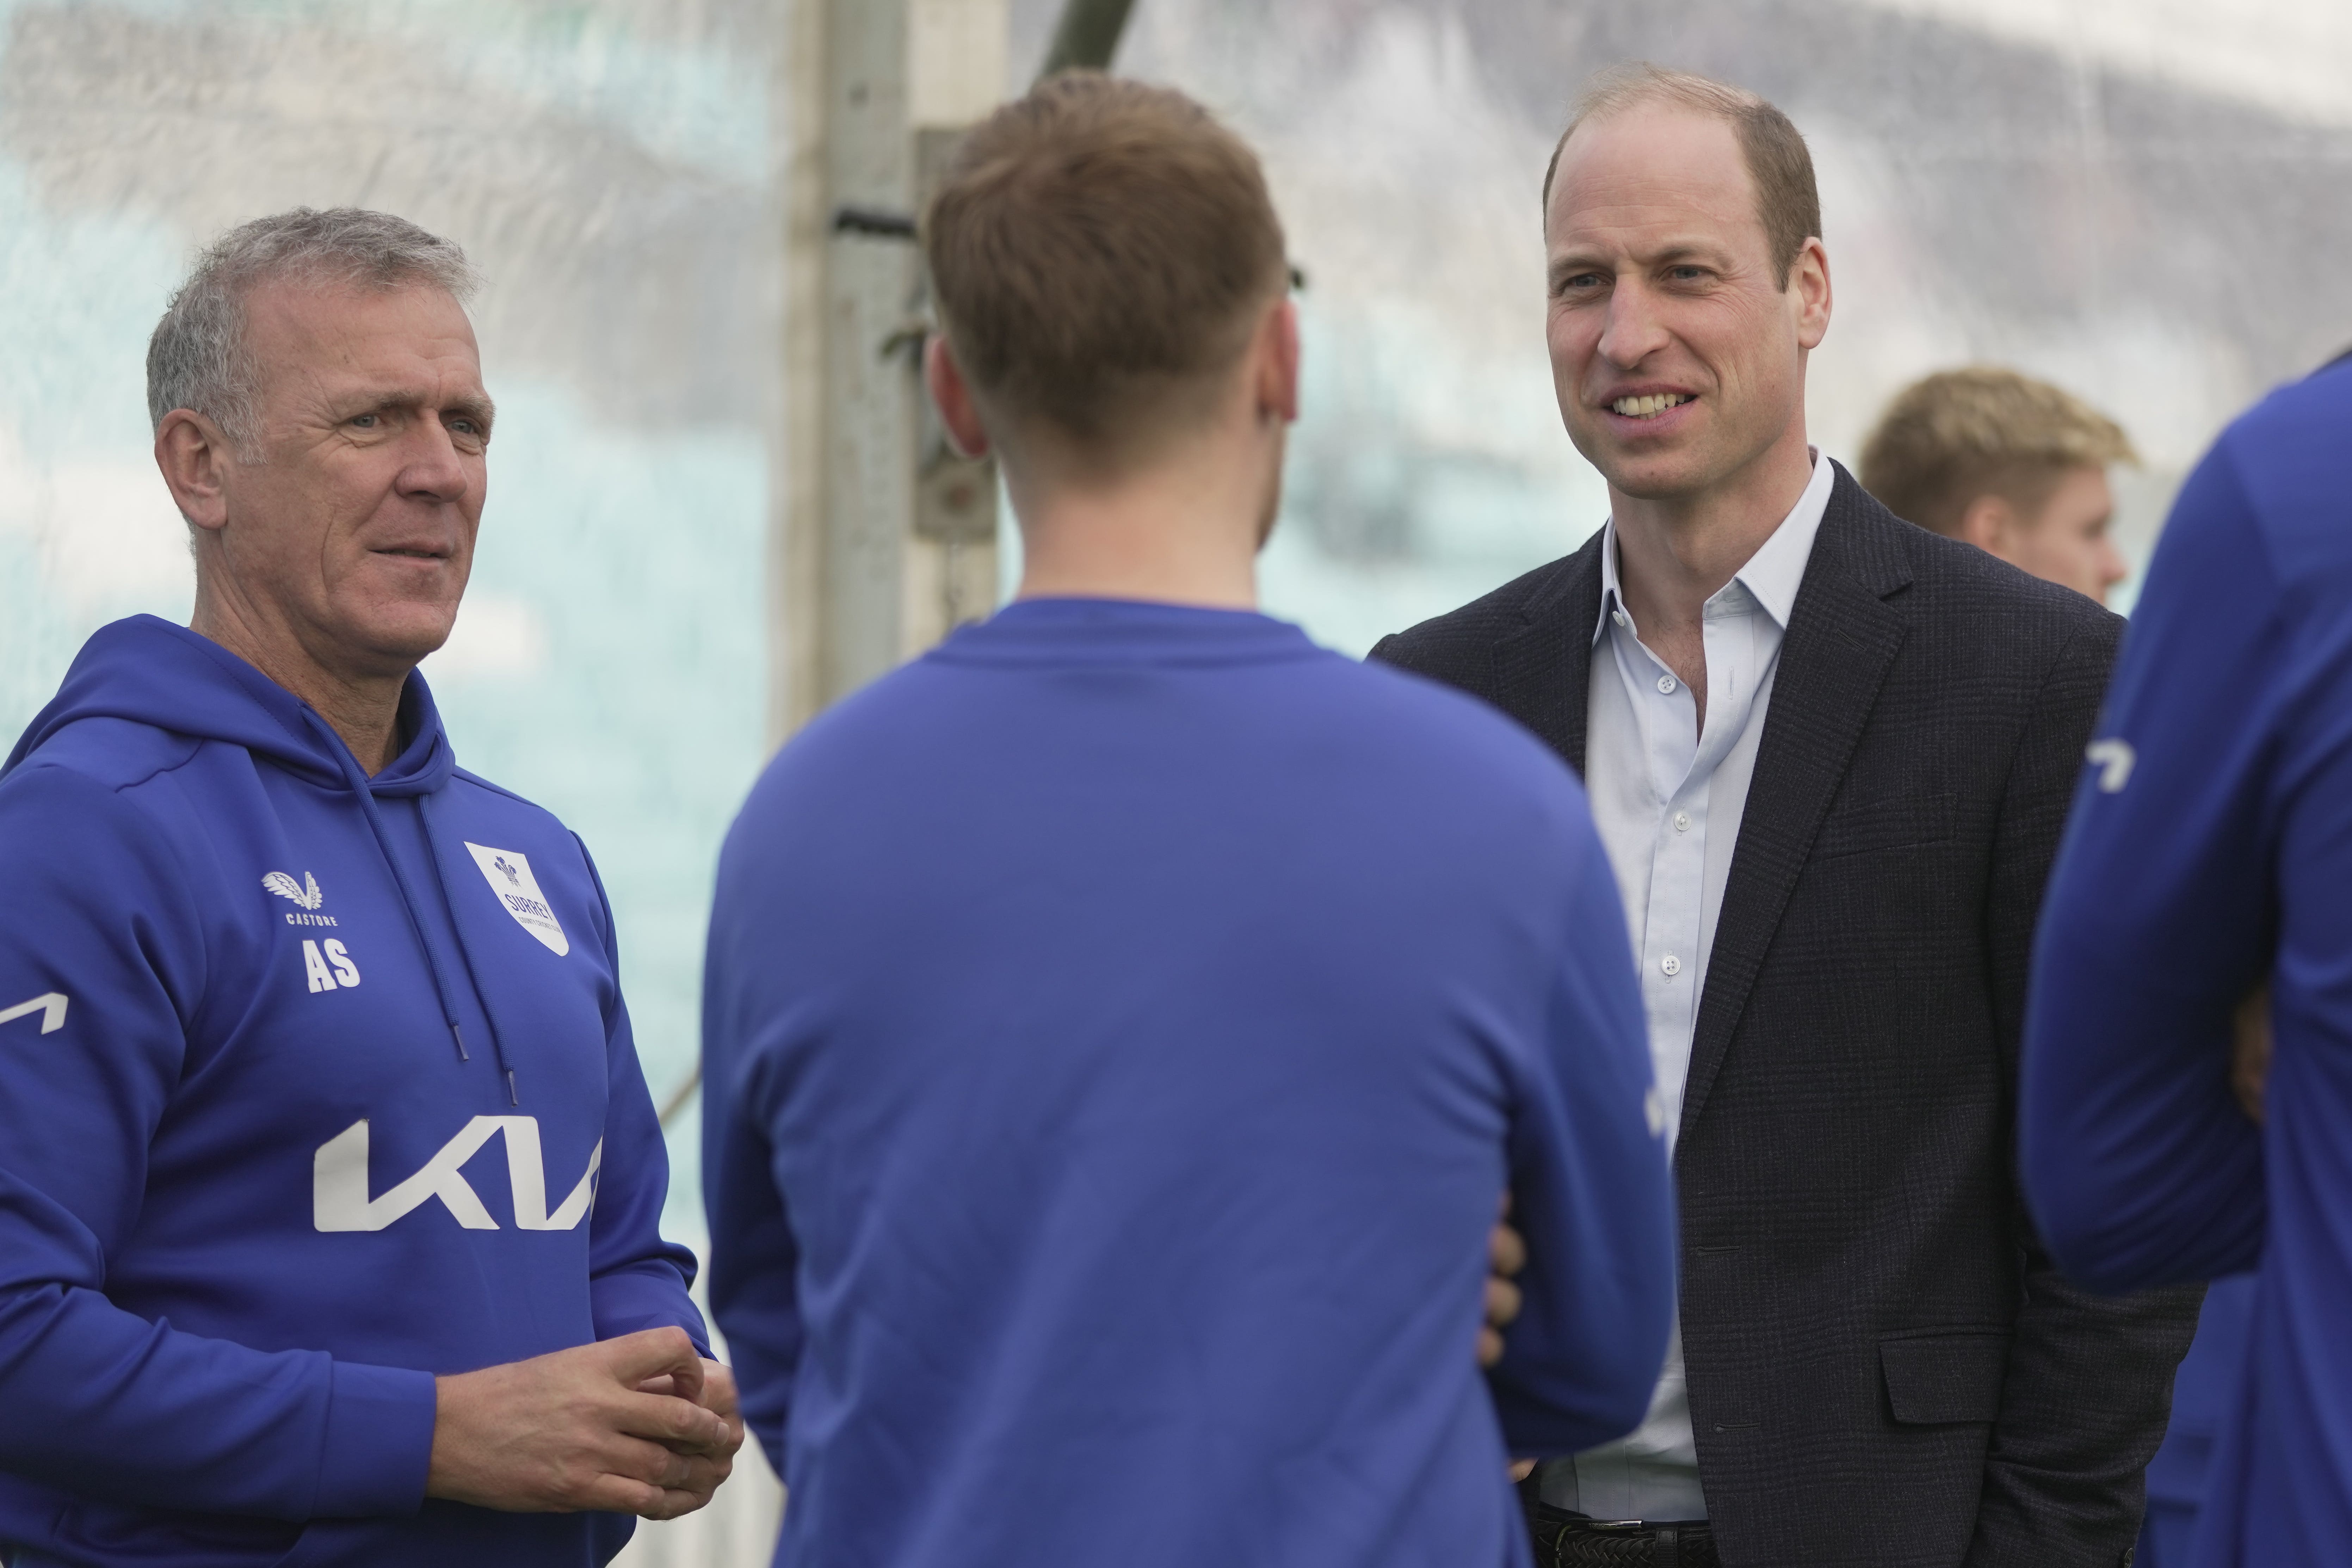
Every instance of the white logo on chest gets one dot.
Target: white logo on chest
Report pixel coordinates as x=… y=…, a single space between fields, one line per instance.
x=304 y=894
x=328 y=966
x=507 y=871
x=339 y=1181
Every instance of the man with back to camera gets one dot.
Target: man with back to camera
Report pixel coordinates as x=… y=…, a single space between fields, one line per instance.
x=1829 y=753
x=2204 y=869
x=329 y=1183
x=1120 y=1021
x=2016 y=467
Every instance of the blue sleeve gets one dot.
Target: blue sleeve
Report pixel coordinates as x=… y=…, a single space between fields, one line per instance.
x=2139 y=1167
x=1593 y=1192
x=99 y=927
x=635 y=1280
x=754 y=1260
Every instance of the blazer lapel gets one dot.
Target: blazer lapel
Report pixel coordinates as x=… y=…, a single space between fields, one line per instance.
x=1841 y=637
x=1540 y=669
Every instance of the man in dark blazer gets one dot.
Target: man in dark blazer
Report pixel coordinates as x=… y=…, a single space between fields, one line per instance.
x=1830 y=754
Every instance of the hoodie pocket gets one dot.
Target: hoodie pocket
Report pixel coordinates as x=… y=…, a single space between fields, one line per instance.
x=1939 y=1378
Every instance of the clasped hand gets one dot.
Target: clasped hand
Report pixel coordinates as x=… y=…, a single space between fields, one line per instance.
x=639 y=1425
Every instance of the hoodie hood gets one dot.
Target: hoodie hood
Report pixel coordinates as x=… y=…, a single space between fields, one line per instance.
x=149 y=671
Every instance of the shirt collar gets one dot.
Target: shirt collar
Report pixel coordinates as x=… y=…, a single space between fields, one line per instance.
x=1771 y=576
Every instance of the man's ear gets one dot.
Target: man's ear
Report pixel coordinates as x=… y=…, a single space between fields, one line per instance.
x=1275 y=353
x=194 y=457
x=953 y=398
x=1991 y=524
x=1809 y=280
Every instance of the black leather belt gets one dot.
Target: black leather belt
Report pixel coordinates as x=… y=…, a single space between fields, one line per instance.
x=1565 y=1539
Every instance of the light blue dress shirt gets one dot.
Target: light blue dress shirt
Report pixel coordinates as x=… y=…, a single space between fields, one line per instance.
x=1667 y=797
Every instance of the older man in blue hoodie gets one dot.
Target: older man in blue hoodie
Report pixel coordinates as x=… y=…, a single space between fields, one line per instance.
x=329 y=1181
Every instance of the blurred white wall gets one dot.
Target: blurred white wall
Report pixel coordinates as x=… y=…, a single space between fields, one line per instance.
x=2145 y=200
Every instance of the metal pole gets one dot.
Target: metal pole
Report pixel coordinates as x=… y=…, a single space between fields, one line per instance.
x=1087 y=37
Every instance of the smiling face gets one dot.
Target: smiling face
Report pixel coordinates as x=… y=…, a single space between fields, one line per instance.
x=1677 y=354
x=354 y=533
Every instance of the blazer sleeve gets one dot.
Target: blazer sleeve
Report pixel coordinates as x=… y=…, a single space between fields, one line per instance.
x=2089 y=1382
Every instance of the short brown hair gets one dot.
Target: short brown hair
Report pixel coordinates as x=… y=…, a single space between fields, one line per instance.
x=1100 y=249
x=1959 y=435
x=1788 y=202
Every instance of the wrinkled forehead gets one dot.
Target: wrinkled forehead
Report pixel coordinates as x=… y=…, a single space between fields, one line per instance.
x=412 y=339
x=1650 y=172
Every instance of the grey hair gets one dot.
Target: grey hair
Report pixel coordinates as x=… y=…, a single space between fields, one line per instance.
x=197 y=358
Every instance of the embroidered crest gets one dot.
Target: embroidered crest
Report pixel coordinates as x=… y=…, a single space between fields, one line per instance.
x=507 y=871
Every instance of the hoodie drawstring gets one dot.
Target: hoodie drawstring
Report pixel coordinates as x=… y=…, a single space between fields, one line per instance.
x=498 y=1043
x=359 y=782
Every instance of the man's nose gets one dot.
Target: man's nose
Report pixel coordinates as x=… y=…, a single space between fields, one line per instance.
x=1633 y=332
x=436 y=470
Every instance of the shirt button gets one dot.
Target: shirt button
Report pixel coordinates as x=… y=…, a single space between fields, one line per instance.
x=1617 y=615
x=1665 y=683
x=1682 y=822
x=1669 y=966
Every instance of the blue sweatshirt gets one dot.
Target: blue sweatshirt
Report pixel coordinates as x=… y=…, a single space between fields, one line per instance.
x=311 y=1085
x=2204 y=1391
x=2210 y=849
x=1121 y=1025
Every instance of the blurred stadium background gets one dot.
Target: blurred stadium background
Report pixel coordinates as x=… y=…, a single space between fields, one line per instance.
x=2134 y=198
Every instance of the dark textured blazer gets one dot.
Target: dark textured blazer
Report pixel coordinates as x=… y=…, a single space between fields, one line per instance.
x=1884 y=1367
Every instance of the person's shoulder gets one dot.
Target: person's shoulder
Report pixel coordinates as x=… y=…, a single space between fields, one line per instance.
x=2300 y=418
x=506 y=798
x=891 y=712
x=103 y=755
x=917 y=722
x=1456 y=647
x=1947 y=584
x=95 y=799
x=496 y=803
x=1454 y=741
x=2286 y=461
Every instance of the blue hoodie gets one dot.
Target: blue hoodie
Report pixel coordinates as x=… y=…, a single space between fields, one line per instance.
x=2210 y=851
x=312 y=1086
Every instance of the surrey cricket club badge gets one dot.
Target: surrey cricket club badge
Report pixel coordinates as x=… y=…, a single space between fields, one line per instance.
x=507 y=871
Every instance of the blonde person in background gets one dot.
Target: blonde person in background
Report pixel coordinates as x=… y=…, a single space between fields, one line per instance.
x=2015 y=466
